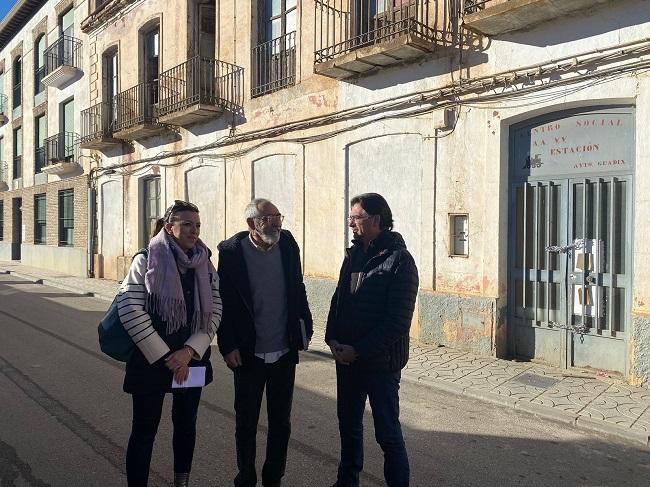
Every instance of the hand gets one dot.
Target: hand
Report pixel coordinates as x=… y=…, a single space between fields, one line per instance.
x=181 y=374
x=333 y=344
x=177 y=363
x=345 y=354
x=233 y=359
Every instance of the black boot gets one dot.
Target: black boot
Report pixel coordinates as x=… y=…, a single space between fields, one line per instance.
x=181 y=479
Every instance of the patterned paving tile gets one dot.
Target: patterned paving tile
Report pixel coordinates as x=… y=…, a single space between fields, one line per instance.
x=432 y=358
x=572 y=394
x=526 y=392
x=643 y=423
x=493 y=375
x=622 y=405
x=455 y=369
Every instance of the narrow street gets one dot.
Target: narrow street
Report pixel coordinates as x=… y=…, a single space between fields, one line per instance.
x=65 y=420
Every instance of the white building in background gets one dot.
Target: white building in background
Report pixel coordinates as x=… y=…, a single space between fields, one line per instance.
x=43 y=175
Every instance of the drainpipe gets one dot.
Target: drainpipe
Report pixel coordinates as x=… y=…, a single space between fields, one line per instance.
x=92 y=214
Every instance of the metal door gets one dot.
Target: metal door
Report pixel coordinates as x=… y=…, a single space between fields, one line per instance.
x=570 y=240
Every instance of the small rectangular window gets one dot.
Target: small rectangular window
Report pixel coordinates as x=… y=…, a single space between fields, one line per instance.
x=66 y=218
x=458 y=234
x=40 y=219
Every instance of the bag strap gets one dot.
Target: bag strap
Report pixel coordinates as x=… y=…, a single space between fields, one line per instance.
x=144 y=251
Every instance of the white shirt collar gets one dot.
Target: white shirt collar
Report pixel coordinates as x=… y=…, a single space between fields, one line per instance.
x=261 y=249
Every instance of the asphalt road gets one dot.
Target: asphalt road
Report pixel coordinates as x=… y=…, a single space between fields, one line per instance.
x=64 y=420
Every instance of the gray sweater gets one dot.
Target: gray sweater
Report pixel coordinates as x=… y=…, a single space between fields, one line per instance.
x=268 y=290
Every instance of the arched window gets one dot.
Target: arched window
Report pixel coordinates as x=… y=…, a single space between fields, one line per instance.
x=39 y=64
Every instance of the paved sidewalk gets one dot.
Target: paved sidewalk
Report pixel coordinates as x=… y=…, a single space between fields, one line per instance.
x=597 y=403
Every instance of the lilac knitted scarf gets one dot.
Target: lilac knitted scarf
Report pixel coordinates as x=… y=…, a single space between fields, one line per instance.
x=164 y=290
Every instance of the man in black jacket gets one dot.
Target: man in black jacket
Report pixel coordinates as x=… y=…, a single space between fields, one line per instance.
x=368 y=333
x=266 y=320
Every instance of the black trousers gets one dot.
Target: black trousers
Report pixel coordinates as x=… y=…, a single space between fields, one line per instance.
x=250 y=381
x=147 y=409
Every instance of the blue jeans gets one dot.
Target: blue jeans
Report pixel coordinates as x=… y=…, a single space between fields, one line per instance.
x=382 y=389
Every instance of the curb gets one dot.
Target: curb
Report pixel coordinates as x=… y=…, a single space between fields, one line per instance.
x=57 y=284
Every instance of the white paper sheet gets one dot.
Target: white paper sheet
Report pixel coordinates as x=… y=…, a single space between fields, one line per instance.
x=195 y=379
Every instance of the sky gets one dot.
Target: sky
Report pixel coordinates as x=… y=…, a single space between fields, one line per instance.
x=5 y=6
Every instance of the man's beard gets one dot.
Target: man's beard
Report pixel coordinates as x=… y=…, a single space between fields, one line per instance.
x=269 y=236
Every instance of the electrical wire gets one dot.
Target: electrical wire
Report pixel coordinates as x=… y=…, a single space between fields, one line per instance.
x=433 y=97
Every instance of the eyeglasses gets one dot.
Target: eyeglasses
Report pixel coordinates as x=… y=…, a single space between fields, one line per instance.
x=357 y=218
x=179 y=205
x=266 y=219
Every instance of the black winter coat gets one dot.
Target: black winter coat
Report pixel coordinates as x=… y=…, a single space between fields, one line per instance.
x=374 y=313
x=142 y=377
x=237 y=328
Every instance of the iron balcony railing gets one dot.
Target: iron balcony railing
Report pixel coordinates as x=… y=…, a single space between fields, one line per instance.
x=39 y=74
x=39 y=159
x=18 y=95
x=274 y=64
x=200 y=81
x=61 y=147
x=137 y=105
x=97 y=121
x=471 y=6
x=65 y=51
x=4 y=104
x=18 y=167
x=345 y=25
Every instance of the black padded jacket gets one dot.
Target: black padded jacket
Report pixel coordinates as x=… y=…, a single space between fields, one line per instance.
x=373 y=304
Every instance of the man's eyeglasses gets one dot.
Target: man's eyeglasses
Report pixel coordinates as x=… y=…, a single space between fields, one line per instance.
x=357 y=218
x=266 y=219
x=179 y=205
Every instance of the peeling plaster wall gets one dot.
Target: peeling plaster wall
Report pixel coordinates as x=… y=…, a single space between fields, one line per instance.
x=425 y=173
x=459 y=321
x=641 y=348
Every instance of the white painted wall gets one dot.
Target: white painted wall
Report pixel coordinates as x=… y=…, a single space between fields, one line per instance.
x=391 y=165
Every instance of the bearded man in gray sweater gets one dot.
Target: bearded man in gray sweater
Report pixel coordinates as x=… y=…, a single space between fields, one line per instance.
x=266 y=321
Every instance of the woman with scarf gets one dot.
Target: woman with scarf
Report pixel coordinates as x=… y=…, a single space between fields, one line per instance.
x=169 y=304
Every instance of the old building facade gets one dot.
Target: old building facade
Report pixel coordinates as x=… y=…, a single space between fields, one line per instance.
x=505 y=134
x=44 y=178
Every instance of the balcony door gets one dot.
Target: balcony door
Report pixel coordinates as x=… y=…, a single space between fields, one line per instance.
x=111 y=89
x=151 y=66
x=207 y=31
x=66 y=133
x=66 y=32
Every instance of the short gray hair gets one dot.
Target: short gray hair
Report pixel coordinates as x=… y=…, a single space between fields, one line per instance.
x=253 y=208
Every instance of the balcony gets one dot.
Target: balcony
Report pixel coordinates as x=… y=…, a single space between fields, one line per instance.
x=494 y=17
x=61 y=154
x=62 y=61
x=274 y=65
x=4 y=175
x=96 y=127
x=198 y=90
x=4 y=109
x=136 y=113
x=354 y=37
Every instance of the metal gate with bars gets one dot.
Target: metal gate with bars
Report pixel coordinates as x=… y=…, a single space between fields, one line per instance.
x=570 y=263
